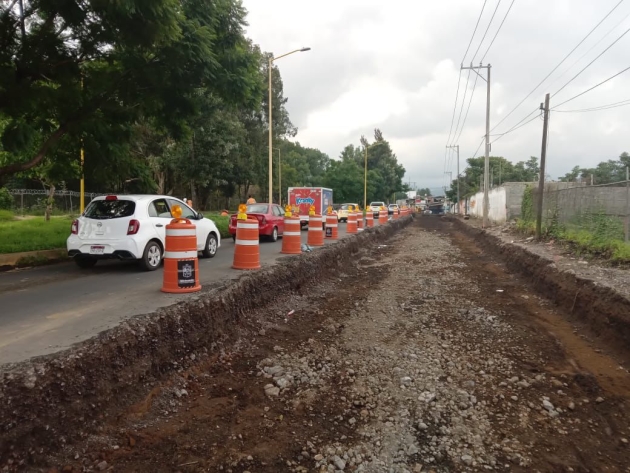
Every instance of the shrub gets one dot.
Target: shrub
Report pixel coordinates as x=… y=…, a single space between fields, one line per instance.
x=6 y=199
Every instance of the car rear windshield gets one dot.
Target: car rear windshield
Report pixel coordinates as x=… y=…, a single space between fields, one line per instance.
x=257 y=208
x=377 y=204
x=106 y=209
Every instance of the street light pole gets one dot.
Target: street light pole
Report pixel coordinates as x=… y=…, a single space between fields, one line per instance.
x=271 y=60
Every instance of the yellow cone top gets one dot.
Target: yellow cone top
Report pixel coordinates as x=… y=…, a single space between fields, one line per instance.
x=329 y=211
x=176 y=211
x=288 y=211
x=242 y=212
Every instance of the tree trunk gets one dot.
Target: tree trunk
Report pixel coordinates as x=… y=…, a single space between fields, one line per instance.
x=49 y=202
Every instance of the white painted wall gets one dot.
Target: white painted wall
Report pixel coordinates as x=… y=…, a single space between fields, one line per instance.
x=497 y=211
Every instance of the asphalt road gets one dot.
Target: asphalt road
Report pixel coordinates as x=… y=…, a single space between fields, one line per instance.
x=47 y=309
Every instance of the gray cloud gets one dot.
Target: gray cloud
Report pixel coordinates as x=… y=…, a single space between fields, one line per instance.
x=396 y=66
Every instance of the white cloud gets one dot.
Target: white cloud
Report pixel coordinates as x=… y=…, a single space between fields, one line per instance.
x=395 y=66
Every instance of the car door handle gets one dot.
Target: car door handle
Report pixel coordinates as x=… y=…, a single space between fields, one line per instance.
x=159 y=225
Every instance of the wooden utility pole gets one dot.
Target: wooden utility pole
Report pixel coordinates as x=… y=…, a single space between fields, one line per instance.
x=541 y=179
x=486 y=167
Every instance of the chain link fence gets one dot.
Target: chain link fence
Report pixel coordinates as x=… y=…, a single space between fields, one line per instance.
x=33 y=201
x=600 y=211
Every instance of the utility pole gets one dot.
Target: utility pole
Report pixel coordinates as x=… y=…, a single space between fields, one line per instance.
x=541 y=179
x=486 y=166
x=457 y=148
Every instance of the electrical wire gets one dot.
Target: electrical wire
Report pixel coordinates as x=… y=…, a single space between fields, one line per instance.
x=468 y=109
x=590 y=63
x=589 y=50
x=514 y=129
x=497 y=33
x=559 y=64
x=596 y=109
x=461 y=109
x=475 y=30
x=591 y=88
x=486 y=32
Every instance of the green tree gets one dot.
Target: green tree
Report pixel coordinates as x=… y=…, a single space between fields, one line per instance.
x=424 y=191
x=74 y=70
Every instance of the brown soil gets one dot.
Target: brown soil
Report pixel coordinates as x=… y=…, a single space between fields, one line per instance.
x=213 y=415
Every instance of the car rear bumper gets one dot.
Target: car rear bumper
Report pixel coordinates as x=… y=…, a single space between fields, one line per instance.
x=113 y=249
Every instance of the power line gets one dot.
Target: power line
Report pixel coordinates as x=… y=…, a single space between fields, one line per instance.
x=591 y=88
x=460 y=78
x=475 y=31
x=468 y=109
x=559 y=64
x=487 y=29
x=497 y=33
x=514 y=128
x=589 y=50
x=595 y=109
x=461 y=109
x=589 y=64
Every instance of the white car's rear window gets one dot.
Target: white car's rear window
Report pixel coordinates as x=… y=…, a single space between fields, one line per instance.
x=107 y=209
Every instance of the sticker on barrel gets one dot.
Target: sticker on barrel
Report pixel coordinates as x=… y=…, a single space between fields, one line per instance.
x=328 y=232
x=186 y=274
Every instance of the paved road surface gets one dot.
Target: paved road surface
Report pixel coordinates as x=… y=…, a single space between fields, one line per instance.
x=47 y=309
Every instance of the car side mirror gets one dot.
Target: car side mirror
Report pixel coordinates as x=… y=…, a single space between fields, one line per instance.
x=199 y=215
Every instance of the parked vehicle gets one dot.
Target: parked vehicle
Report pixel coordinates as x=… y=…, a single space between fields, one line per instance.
x=304 y=197
x=342 y=213
x=393 y=209
x=133 y=227
x=270 y=220
x=375 y=207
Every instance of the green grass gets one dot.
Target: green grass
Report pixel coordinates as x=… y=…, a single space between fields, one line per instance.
x=34 y=234
x=6 y=216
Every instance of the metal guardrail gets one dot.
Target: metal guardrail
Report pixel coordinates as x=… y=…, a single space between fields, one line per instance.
x=60 y=193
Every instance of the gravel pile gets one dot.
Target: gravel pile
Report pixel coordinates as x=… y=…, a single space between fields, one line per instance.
x=425 y=376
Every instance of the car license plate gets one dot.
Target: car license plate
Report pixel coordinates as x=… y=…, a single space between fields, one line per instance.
x=97 y=250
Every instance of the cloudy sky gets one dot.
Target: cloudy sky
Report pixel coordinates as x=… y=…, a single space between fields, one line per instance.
x=395 y=66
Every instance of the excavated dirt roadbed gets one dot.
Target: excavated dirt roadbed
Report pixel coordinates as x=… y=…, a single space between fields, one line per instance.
x=424 y=353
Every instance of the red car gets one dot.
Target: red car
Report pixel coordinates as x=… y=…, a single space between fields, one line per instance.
x=270 y=220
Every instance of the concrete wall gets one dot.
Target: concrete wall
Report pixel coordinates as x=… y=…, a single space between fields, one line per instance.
x=505 y=202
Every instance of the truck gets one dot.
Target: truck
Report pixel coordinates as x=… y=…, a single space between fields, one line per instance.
x=304 y=197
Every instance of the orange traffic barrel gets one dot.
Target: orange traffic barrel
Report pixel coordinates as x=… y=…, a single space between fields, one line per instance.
x=332 y=230
x=395 y=215
x=315 y=230
x=369 y=219
x=247 y=245
x=181 y=265
x=382 y=217
x=292 y=236
x=359 y=215
x=351 y=222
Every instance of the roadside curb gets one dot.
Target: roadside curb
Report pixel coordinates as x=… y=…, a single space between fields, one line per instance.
x=31 y=258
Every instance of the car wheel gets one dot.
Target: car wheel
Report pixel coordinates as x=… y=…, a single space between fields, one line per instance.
x=211 y=246
x=152 y=256
x=274 y=234
x=85 y=262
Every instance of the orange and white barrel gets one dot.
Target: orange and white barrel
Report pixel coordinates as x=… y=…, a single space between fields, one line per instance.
x=181 y=263
x=247 y=245
x=332 y=230
x=351 y=223
x=292 y=236
x=395 y=215
x=359 y=215
x=315 y=230
x=382 y=217
x=369 y=219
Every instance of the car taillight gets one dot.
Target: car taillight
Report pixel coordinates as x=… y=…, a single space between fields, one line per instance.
x=133 y=227
x=75 y=227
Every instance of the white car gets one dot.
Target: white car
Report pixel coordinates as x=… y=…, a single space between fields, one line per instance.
x=133 y=227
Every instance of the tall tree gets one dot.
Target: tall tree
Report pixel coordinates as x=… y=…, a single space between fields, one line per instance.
x=88 y=70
